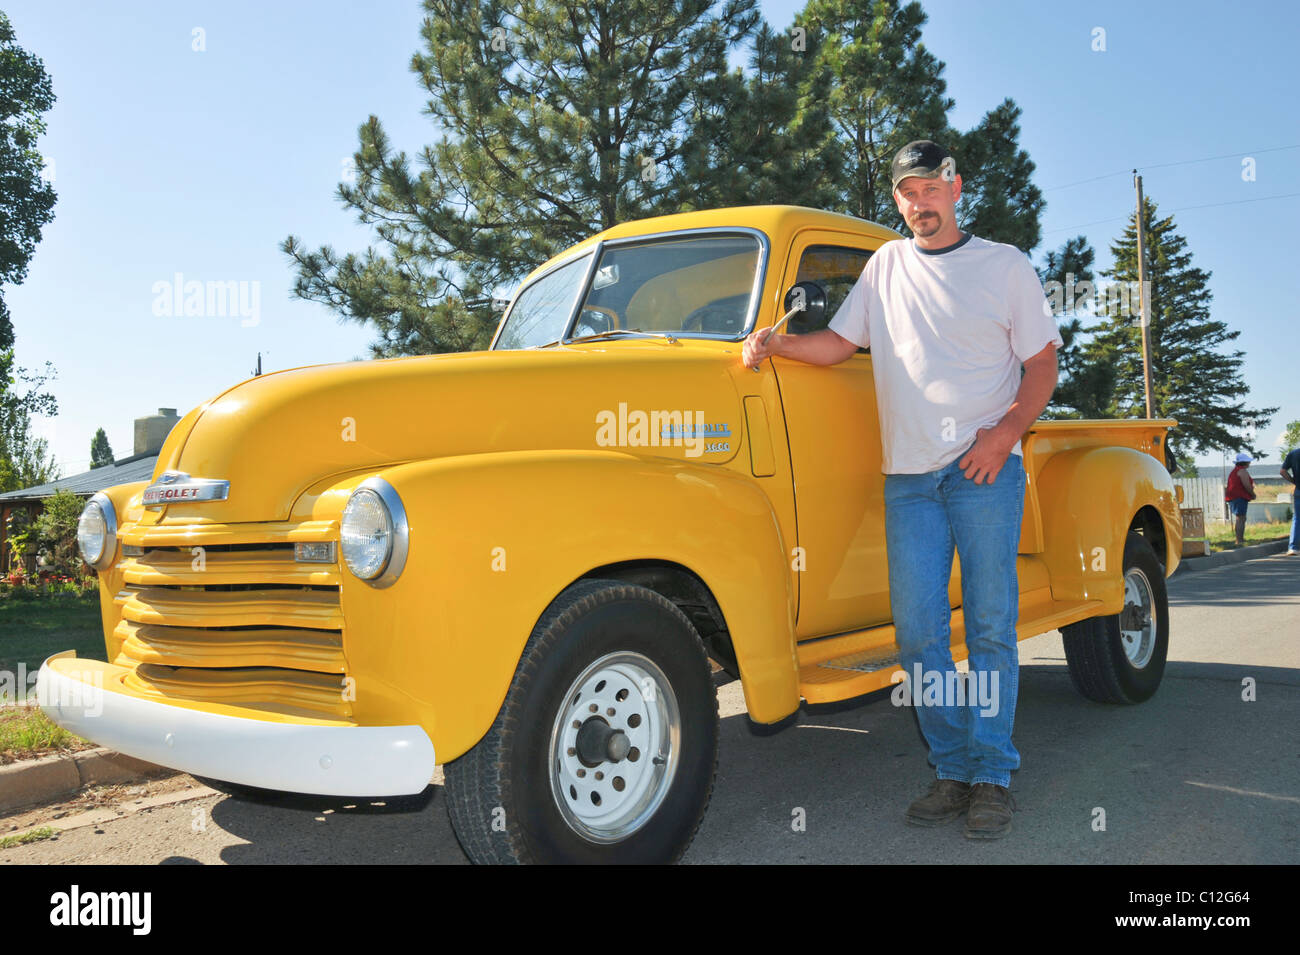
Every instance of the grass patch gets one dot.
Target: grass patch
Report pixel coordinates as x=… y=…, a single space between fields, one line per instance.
x=32 y=835
x=1223 y=537
x=31 y=630
x=25 y=732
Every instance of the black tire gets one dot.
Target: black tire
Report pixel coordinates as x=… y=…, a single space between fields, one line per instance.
x=1107 y=666
x=504 y=795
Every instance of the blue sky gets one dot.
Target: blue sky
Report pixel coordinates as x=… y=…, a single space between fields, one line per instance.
x=170 y=161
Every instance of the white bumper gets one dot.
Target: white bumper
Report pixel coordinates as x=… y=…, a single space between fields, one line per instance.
x=292 y=757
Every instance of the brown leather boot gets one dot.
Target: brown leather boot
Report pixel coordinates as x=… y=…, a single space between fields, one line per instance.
x=946 y=800
x=990 y=812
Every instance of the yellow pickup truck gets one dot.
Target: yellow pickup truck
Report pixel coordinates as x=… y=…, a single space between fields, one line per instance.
x=518 y=563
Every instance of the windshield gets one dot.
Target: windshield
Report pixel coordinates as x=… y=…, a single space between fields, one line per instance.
x=698 y=286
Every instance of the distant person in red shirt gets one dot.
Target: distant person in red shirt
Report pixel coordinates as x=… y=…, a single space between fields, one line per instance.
x=1240 y=492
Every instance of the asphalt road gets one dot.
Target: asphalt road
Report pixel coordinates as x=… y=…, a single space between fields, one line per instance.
x=1194 y=775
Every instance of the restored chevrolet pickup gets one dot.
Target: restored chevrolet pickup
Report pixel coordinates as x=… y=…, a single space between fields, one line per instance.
x=518 y=563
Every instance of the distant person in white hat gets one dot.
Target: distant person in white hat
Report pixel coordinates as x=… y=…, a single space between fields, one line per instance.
x=1239 y=493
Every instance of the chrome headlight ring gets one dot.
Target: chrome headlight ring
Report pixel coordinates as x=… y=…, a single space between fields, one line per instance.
x=103 y=560
x=399 y=536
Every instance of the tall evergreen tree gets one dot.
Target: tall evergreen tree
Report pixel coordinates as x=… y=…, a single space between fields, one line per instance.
x=888 y=90
x=1192 y=379
x=770 y=129
x=101 y=453
x=1084 y=388
x=560 y=118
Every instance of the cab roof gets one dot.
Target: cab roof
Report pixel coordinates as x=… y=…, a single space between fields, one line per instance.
x=778 y=222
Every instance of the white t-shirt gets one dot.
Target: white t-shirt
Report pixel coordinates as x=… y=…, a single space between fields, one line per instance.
x=948 y=330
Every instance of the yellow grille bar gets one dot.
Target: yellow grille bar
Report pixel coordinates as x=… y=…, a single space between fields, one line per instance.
x=199 y=535
x=226 y=567
x=280 y=691
x=317 y=609
x=318 y=650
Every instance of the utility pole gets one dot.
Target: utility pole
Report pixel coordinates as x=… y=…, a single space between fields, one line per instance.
x=1142 y=293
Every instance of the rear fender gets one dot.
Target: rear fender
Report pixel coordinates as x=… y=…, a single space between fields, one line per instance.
x=1089 y=497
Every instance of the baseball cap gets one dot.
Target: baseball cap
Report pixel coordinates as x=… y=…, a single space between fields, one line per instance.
x=1244 y=458
x=922 y=158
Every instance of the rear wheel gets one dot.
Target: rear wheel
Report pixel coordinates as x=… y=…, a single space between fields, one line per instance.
x=606 y=746
x=1120 y=658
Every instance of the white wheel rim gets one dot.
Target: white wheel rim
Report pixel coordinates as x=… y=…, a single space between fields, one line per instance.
x=1138 y=626
x=607 y=800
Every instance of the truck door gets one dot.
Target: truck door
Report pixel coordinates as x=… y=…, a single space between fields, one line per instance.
x=831 y=424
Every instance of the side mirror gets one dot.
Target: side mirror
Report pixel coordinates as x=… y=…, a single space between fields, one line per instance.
x=813 y=298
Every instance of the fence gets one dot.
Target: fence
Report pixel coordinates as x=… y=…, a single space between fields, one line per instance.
x=1207 y=494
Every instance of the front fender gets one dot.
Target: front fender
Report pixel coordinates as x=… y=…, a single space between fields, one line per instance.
x=495 y=537
x=1089 y=497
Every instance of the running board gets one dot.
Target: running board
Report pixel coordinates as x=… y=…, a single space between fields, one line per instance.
x=851 y=664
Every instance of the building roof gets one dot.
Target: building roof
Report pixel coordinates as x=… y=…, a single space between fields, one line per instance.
x=138 y=467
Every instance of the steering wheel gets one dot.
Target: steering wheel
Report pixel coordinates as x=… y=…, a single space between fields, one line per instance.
x=725 y=316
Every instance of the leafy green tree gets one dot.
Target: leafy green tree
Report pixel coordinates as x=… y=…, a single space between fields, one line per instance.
x=1084 y=388
x=26 y=199
x=1291 y=439
x=56 y=534
x=101 y=454
x=25 y=460
x=1193 y=380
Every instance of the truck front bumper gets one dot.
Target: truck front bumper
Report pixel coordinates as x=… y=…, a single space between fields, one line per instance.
x=324 y=757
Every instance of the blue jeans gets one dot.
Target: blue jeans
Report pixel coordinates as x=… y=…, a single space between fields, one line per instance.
x=1295 y=518
x=926 y=515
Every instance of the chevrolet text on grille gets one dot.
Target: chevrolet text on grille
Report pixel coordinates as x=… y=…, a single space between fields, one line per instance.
x=179 y=486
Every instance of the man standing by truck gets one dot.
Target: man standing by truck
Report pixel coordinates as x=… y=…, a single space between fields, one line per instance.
x=950 y=318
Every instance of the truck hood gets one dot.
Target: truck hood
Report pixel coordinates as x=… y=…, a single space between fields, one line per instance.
x=275 y=435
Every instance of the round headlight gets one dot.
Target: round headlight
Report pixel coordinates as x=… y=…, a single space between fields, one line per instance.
x=97 y=532
x=373 y=532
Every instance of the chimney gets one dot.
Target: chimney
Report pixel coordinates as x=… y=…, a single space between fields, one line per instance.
x=152 y=430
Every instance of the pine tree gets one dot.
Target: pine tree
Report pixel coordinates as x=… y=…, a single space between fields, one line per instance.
x=889 y=90
x=558 y=119
x=1192 y=379
x=563 y=118
x=1084 y=388
x=100 y=452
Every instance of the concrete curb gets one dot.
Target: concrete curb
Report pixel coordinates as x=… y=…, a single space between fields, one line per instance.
x=1191 y=564
x=30 y=782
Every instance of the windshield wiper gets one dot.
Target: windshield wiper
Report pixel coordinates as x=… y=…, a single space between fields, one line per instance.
x=610 y=334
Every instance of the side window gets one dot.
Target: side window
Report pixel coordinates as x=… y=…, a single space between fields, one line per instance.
x=835 y=268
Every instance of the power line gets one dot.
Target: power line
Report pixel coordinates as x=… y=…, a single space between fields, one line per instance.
x=1208 y=205
x=1166 y=165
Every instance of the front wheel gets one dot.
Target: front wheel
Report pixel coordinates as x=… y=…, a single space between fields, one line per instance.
x=606 y=745
x=1120 y=658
